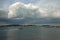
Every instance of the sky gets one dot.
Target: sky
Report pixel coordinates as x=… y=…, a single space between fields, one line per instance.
x=34 y=9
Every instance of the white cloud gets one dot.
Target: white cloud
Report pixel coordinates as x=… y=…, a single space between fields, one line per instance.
x=21 y=10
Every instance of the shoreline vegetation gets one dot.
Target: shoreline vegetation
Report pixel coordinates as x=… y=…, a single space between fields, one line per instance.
x=28 y=25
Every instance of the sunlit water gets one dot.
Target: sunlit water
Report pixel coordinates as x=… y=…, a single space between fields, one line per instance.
x=29 y=33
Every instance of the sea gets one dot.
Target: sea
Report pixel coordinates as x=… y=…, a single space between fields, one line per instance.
x=29 y=33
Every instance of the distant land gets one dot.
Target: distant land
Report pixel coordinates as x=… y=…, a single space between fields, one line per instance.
x=30 y=25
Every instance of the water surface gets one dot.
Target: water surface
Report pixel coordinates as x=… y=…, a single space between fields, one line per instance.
x=29 y=33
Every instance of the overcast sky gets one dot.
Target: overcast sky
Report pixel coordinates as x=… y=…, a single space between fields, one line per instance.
x=20 y=9
x=51 y=7
x=5 y=3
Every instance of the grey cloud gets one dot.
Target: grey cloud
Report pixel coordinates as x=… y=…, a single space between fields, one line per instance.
x=3 y=14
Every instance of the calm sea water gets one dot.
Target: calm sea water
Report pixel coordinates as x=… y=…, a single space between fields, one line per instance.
x=29 y=33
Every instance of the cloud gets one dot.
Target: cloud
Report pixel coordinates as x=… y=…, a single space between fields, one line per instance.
x=55 y=3
x=3 y=13
x=21 y=10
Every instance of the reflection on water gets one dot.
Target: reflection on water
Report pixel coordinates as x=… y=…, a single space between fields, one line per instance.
x=29 y=33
